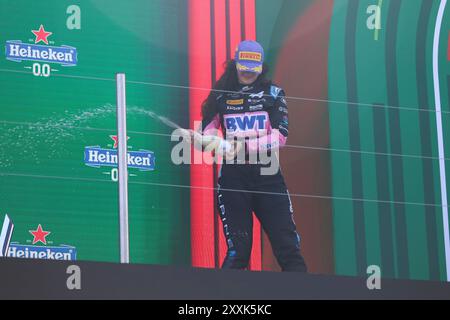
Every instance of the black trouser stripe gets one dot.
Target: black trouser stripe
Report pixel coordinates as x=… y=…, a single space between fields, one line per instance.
x=425 y=138
x=354 y=131
x=384 y=208
x=396 y=146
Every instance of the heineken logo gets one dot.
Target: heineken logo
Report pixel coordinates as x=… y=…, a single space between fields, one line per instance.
x=18 y=51
x=42 y=52
x=96 y=157
x=17 y=250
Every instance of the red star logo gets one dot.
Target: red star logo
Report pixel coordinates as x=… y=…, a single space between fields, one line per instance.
x=39 y=235
x=41 y=35
x=116 y=141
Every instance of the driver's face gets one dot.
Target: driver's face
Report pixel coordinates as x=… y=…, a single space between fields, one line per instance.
x=247 y=77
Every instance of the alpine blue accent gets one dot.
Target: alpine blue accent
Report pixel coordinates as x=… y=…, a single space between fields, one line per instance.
x=275 y=91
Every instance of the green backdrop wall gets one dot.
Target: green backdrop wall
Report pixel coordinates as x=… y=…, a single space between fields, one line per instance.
x=44 y=178
x=362 y=108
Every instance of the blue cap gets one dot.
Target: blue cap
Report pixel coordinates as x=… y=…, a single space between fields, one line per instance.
x=249 y=56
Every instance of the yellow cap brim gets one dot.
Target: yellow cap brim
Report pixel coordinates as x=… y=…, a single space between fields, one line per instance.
x=241 y=67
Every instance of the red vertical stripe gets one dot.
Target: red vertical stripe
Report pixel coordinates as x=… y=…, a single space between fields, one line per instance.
x=235 y=25
x=202 y=200
x=250 y=20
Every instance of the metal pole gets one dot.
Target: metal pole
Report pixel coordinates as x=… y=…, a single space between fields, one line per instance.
x=122 y=157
